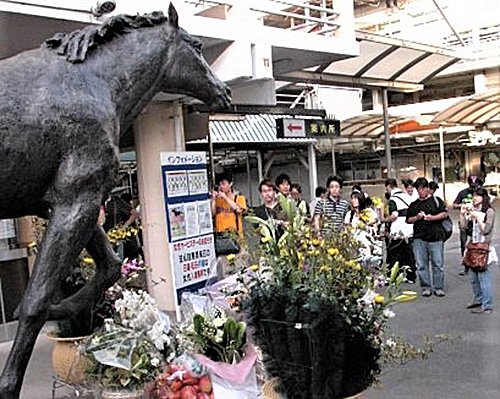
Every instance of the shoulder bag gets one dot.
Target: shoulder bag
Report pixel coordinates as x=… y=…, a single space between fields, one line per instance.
x=476 y=255
x=446 y=223
x=226 y=242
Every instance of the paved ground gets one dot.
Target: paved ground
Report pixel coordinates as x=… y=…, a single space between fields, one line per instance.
x=467 y=368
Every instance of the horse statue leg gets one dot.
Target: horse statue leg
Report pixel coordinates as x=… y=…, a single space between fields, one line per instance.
x=70 y=229
x=106 y=274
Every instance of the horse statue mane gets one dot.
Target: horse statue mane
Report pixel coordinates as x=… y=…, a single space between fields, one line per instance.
x=78 y=44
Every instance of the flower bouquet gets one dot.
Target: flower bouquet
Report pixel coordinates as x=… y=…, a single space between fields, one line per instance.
x=129 y=351
x=316 y=313
x=218 y=342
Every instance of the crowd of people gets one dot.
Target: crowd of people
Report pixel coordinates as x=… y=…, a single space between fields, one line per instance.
x=408 y=230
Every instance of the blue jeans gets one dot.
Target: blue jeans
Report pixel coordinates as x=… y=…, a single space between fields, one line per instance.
x=481 y=288
x=424 y=252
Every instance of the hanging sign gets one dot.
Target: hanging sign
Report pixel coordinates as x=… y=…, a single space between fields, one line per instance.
x=483 y=137
x=307 y=128
x=189 y=219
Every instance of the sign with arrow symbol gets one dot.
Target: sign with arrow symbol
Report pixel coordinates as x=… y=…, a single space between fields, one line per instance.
x=307 y=128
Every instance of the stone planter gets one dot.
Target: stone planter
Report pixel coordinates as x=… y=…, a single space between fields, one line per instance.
x=68 y=362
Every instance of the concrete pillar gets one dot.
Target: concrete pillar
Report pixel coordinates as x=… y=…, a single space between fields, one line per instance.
x=313 y=171
x=155 y=132
x=377 y=100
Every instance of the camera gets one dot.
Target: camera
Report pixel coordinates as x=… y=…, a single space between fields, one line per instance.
x=102 y=7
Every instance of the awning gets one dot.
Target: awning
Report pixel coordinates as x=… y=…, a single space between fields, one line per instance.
x=395 y=64
x=478 y=109
x=370 y=126
x=249 y=129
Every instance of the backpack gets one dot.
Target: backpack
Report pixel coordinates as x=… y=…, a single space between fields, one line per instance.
x=446 y=224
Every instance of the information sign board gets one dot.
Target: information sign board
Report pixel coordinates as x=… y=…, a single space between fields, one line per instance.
x=189 y=219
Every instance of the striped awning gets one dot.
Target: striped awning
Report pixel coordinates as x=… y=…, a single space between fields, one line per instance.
x=368 y=125
x=478 y=109
x=249 y=129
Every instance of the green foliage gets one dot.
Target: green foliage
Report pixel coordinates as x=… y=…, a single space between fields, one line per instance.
x=220 y=338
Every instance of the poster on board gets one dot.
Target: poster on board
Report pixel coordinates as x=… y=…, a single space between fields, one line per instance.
x=189 y=220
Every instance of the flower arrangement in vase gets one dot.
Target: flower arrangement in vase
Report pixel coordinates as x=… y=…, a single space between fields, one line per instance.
x=316 y=313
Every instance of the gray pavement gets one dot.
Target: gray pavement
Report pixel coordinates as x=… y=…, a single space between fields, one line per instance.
x=468 y=367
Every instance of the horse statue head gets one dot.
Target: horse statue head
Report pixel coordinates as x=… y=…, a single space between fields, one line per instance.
x=190 y=74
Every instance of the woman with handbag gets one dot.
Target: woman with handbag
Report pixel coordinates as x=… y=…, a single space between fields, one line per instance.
x=479 y=253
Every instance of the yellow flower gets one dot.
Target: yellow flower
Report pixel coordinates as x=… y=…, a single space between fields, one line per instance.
x=283 y=252
x=379 y=299
x=333 y=251
x=300 y=256
x=406 y=296
x=266 y=239
x=377 y=202
x=324 y=268
x=230 y=257
x=88 y=261
x=254 y=268
x=315 y=242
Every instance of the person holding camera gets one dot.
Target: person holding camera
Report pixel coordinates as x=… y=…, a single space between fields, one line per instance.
x=482 y=216
x=463 y=201
x=227 y=206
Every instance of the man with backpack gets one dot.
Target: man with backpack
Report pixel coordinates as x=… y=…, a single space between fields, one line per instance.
x=427 y=214
x=400 y=237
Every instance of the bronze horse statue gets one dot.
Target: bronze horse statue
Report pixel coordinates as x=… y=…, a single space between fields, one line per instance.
x=62 y=109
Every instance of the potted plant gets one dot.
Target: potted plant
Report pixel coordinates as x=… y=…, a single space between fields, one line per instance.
x=316 y=313
x=68 y=362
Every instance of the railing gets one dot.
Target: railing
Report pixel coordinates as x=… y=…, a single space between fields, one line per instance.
x=313 y=16
x=481 y=39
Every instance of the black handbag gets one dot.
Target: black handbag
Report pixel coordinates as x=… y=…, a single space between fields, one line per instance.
x=226 y=242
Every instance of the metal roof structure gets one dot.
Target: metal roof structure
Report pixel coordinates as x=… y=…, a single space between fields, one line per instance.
x=478 y=109
x=398 y=65
x=250 y=129
x=368 y=125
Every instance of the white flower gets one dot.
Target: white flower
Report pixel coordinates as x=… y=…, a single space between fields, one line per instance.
x=369 y=297
x=389 y=313
x=390 y=343
x=155 y=362
x=219 y=322
x=219 y=336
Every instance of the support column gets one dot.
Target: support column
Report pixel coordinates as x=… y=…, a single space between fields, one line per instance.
x=313 y=171
x=260 y=166
x=441 y=154
x=155 y=132
x=388 y=155
x=334 y=161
